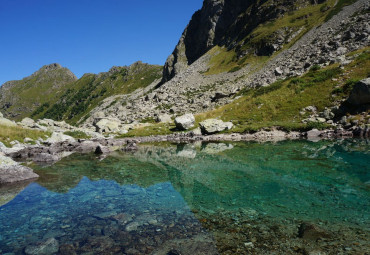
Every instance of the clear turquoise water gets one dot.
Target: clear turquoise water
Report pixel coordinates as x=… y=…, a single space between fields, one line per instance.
x=161 y=196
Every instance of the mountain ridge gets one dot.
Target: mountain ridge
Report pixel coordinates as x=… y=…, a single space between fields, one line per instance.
x=19 y=98
x=229 y=46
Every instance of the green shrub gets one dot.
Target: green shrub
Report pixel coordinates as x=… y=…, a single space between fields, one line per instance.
x=317 y=125
x=315 y=68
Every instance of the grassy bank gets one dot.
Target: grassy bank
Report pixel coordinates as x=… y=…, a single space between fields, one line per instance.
x=280 y=104
x=8 y=134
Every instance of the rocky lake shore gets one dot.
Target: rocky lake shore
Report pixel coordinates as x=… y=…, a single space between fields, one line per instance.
x=53 y=150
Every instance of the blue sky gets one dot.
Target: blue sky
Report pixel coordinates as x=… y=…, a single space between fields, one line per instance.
x=88 y=36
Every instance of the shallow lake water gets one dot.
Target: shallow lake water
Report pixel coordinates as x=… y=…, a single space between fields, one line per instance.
x=202 y=198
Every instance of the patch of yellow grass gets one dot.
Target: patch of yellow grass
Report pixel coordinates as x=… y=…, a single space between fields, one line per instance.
x=8 y=134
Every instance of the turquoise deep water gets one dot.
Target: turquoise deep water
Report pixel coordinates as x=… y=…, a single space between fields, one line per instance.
x=231 y=198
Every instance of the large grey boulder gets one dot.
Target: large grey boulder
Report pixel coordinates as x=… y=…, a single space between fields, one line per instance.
x=28 y=122
x=212 y=126
x=2 y=147
x=185 y=121
x=6 y=122
x=106 y=125
x=46 y=122
x=59 y=138
x=313 y=134
x=87 y=146
x=164 y=118
x=11 y=171
x=360 y=93
x=1 y=115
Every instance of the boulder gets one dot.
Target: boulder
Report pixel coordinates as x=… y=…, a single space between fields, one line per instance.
x=314 y=133
x=107 y=126
x=360 y=93
x=212 y=126
x=46 y=122
x=1 y=115
x=101 y=150
x=11 y=171
x=2 y=147
x=45 y=157
x=185 y=122
x=87 y=146
x=6 y=122
x=28 y=122
x=164 y=118
x=197 y=131
x=278 y=71
x=59 y=138
x=131 y=146
x=50 y=246
x=28 y=140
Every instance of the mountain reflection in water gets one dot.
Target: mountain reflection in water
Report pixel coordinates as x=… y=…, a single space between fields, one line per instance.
x=171 y=197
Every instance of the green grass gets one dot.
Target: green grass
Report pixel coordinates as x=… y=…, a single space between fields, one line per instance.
x=77 y=134
x=279 y=104
x=43 y=89
x=8 y=134
x=338 y=7
x=154 y=129
x=89 y=91
x=224 y=60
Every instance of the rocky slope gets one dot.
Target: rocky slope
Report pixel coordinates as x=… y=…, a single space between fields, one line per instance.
x=229 y=48
x=20 y=98
x=193 y=90
x=231 y=23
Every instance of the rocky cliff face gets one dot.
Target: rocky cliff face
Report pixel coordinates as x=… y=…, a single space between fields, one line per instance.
x=20 y=98
x=226 y=22
x=192 y=90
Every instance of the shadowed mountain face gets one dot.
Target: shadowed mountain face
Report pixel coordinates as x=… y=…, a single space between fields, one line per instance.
x=225 y=23
x=19 y=99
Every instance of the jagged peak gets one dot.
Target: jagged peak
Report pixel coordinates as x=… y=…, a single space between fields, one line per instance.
x=53 y=66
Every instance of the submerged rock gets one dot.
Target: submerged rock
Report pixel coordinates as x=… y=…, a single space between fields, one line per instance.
x=310 y=231
x=50 y=246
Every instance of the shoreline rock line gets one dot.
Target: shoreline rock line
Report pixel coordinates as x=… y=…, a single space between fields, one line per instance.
x=51 y=152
